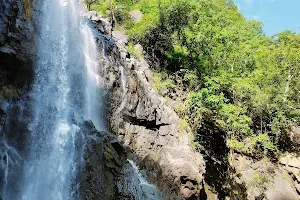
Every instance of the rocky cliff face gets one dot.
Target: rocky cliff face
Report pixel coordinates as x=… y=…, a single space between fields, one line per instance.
x=105 y=171
x=146 y=127
x=102 y=163
x=148 y=130
x=266 y=180
x=16 y=71
x=16 y=48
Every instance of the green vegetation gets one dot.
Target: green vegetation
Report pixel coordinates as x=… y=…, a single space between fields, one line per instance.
x=163 y=83
x=261 y=180
x=246 y=83
x=133 y=50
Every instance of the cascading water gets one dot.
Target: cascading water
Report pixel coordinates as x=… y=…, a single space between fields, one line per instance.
x=66 y=86
x=93 y=88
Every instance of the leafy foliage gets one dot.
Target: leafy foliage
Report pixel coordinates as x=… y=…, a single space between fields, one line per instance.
x=246 y=83
x=132 y=49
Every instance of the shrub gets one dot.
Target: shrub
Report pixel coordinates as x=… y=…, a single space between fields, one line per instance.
x=131 y=48
x=230 y=73
x=238 y=146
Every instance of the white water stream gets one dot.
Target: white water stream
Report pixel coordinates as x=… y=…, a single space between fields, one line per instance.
x=66 y=85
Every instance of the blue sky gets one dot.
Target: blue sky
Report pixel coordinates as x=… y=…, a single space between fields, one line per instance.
x=276 y=15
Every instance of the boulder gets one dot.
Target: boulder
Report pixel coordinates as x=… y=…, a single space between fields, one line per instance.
x=264 y=179
x=290 y=160
x=295 y=135
x=291 y=163
x=102 y=25
x=136 y=15
x=120 y=37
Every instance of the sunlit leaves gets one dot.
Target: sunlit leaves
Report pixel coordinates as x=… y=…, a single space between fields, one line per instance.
x=245 y=83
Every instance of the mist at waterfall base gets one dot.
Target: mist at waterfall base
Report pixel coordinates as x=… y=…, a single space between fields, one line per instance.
x=67 y=88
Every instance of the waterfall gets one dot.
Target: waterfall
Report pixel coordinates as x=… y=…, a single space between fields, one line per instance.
x=93 y=88
x=67 y=90
x=66 y=86
x=140 y=188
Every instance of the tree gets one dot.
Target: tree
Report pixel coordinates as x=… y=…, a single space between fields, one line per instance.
x=245 y=83
x=89 y=3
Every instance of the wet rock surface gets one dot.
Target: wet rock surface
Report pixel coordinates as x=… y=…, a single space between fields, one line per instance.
x=100 y=157
x=16 y=50
x=101 y=165
x=16 y=75
x=147 y=128
x=133 y=185
x=105 y=172
x=3 y=156
x=14 y=119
